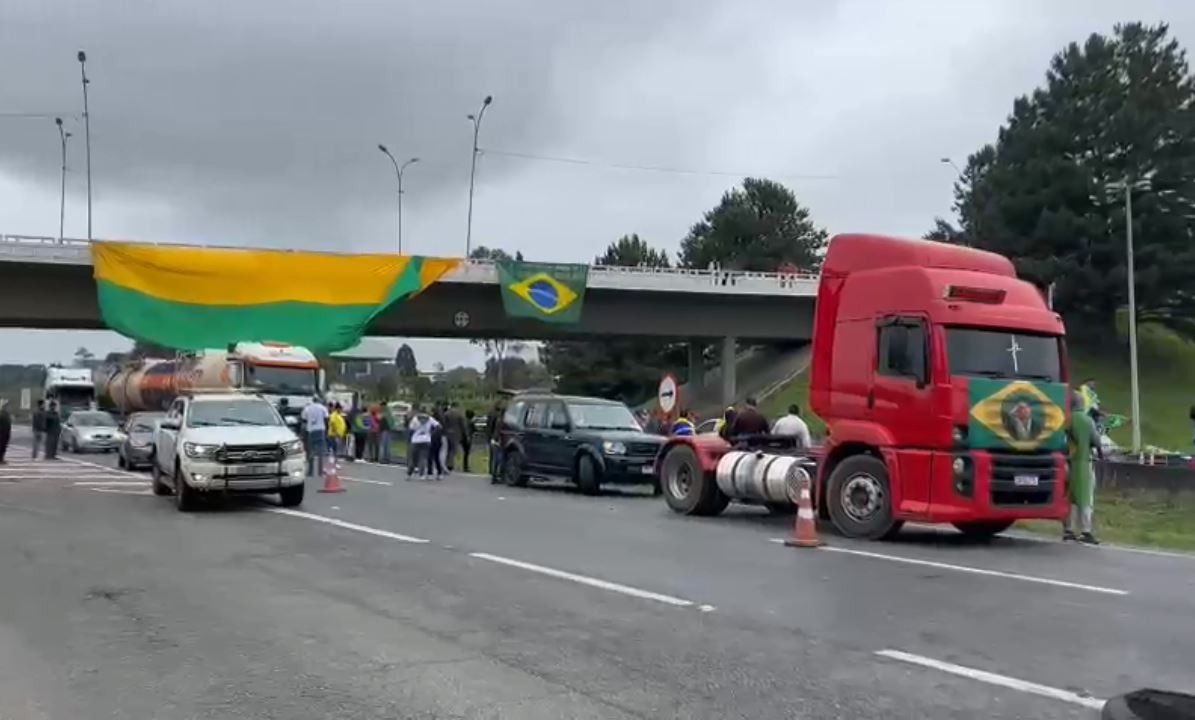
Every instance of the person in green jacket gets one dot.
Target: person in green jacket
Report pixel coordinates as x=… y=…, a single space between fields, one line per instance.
x=1080 y=481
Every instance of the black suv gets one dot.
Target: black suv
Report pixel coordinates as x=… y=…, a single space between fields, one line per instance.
x=590 y=440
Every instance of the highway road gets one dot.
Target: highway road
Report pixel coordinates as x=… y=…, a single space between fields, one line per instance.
x=459 y=599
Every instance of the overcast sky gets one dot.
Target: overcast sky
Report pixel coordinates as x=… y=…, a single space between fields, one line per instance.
x=256 y=123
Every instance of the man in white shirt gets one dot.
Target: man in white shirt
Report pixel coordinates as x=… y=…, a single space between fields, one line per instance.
x=315 y=429
x=419 y=459
x=793 y=426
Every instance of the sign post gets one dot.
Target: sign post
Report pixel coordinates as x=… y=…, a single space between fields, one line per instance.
x=667 y=394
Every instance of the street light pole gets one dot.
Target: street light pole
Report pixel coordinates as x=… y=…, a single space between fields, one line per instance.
x=62 y=135
x=473 y=170
x=398 y=172
x=1133 y=386
x=82 y=56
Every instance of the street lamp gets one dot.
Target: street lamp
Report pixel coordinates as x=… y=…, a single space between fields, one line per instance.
x=398 y=171
x=82 y=56
x=62 y=135
x=1135 y=395
x=476 y=119
x=948 y=161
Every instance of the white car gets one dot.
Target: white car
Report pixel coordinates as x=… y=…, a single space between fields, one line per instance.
x=226 y=443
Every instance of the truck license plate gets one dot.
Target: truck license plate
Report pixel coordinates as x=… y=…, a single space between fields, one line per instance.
x=1025 y=480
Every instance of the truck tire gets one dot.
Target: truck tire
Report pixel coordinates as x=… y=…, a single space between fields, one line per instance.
x=512 y=468
x=291 y=496
x=860 y=500
x=588 y=475
x=687 y=489
x=983 y=529
x=160 y=488
x=184 y=497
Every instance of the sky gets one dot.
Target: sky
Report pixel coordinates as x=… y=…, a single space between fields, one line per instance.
x=256 y=124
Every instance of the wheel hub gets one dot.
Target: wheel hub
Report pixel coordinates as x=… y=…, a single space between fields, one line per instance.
x=862 y=497
x=680 y=480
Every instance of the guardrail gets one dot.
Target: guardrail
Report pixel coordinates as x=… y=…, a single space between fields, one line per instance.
x=75 y=251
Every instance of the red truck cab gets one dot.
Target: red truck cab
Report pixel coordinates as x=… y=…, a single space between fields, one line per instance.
x=941 y=378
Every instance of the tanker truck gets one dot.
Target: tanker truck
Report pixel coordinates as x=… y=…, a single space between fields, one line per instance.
x=286 y=375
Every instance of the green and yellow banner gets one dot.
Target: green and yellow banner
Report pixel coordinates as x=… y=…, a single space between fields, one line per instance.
x=1016 y=415
x=549 y=292
x=193 y=298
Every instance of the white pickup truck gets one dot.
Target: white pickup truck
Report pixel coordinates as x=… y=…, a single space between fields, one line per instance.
x=223 y=443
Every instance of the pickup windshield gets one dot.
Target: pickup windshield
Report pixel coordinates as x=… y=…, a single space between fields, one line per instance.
x=232 y=413
x=1003 y=354
x=602 y=417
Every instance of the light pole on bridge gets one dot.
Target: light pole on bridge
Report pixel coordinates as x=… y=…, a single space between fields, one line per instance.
x=62 y=135
x=476 y=120
x=398 y=171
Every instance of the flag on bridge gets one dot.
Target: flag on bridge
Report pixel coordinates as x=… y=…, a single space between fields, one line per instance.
x=192 y=298
x=549 y=292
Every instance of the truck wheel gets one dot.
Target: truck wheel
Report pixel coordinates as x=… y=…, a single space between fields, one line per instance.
x=512 y=469
x=184 y=497
x=588 y=476
x=859 y=498
x=291 y=496
x=155 y=473
x=689 y=490
x=981 y=529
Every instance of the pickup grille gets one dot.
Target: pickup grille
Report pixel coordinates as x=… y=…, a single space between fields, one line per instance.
x=1006 y=467
x=248 y=454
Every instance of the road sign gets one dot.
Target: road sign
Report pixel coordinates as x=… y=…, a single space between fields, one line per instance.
x=26 y=398
x=667 y=394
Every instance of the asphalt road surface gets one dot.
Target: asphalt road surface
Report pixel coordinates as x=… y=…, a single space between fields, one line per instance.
x=452 y=599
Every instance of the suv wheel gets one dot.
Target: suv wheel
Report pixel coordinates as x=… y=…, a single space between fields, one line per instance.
x=512 y=469
x=184 y=495
x=588 y=475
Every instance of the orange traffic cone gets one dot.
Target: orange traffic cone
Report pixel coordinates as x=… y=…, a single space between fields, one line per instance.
x=804 y=533
x=331 y=478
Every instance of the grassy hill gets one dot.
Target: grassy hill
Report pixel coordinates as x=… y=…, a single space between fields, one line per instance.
x=1167 y=376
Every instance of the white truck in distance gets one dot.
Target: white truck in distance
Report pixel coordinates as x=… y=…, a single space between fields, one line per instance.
x=72 y=388
x=226 y=443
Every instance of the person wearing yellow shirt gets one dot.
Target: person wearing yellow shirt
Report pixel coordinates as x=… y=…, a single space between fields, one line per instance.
x=338 y=429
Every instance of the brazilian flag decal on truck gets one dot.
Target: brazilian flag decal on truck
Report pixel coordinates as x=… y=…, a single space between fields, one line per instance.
x=1016 y=415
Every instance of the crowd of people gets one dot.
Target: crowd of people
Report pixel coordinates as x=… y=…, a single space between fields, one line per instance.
x=46 y=424
x=734 y=422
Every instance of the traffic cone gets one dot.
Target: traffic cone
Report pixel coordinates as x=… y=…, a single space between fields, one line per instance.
x=804 y=533
x=331 y=478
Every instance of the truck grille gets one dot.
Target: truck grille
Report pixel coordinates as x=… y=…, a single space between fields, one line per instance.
x=1007 y=467
x=246 y=454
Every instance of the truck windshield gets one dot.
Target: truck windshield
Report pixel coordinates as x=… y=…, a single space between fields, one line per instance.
x=282 y=380
x=228 y=413
x=1001 y=354
x=74 y=397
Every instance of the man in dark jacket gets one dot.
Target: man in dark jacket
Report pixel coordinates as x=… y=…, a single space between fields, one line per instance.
x=39 y=427
x=454 y=433
x=53 y=430
x=749 y=421
x=467 y=439
x=5 y=428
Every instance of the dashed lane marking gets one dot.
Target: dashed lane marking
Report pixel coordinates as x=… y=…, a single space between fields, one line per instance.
x=585 y=580
x=111 y=483
x=366 y=481
x=347 y=525
x=991 y=678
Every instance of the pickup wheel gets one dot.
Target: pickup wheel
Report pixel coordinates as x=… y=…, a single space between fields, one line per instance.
x=588 y=475
x=291 y=496
x=859 y=498
x=983 y=529
x=512 y=468
x=688 y=489
x=184 y=497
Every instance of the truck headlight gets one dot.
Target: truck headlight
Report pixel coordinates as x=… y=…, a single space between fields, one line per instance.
x=200 y=452
x=613 y=447
x=959 y=466
x=958 y=435
x=293 y=447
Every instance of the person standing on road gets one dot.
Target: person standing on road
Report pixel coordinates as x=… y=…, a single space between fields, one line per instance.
x=337 y=431
x=793 y=425
x=39 y=427
x=1080 y=481
x=373 y=425
x=749 y=421
x=53 y=430
x=454 y=432
x=314 y=417
x=357 y=429
x=467 y=439
x=386 y=436
x=419 y=449
x=494 y=438
x=5 y=428
x=435 y=459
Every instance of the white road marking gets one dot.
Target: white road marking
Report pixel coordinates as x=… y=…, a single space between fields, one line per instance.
x=347 y=525
x=87 y=463
x=1024 y=686
x=121 y=491
x=72 y=476
x=112 y=483
x=977 y=571
x=363 y=480
x=585 y=580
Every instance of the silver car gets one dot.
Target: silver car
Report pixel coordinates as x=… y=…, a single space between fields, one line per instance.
x=91 y=431
x=138 y=447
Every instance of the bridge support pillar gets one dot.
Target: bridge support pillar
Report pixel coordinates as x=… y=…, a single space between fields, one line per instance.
x=696 y=365
x=729 y=351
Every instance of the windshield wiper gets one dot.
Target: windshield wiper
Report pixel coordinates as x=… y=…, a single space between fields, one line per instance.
x=239 y=421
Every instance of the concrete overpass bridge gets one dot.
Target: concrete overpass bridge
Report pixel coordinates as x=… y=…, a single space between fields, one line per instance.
x=47 y=283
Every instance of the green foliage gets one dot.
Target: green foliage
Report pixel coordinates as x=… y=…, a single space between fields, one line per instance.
x=1114 y=109
x=630 y=251
x=404 y=362
x=759 y=227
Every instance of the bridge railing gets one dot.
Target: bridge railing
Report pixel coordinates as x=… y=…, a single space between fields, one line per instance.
x=646 y=278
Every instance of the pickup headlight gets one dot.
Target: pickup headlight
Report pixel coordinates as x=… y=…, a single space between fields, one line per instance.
x=613 y=447
x=293 y=447
x=200 y=452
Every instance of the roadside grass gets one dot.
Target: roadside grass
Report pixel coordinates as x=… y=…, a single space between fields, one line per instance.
x=1142 y=519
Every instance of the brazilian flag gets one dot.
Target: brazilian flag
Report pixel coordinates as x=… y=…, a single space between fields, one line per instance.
x=1018 y=415
x=544 y=291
